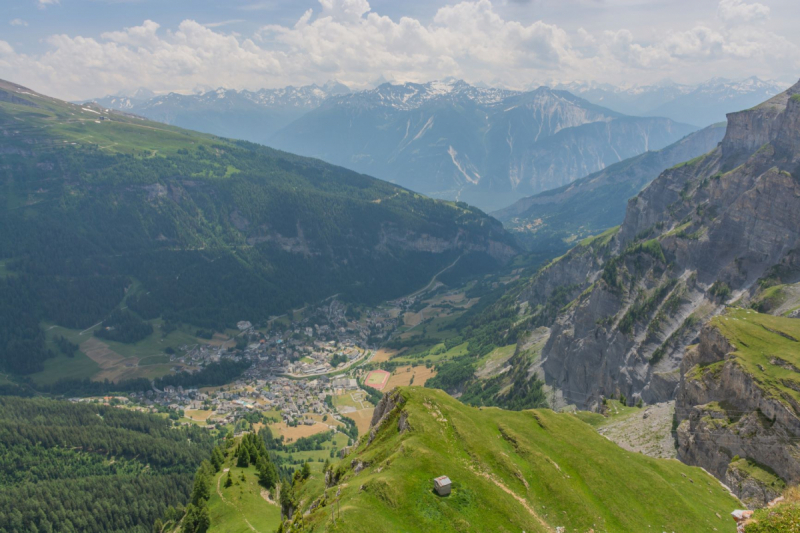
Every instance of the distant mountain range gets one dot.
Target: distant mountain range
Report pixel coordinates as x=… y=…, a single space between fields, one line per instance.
x=558 y=218
x=486 y=146
x=250 y=115
x=701 y=105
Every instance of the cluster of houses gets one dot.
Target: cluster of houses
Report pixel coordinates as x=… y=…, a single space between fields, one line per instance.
x=326 y=340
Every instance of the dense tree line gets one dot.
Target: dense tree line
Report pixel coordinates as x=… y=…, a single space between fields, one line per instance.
x=212 y=375
x=67 y=348
x=81 y=467
x=124 y=326
x=253 y=451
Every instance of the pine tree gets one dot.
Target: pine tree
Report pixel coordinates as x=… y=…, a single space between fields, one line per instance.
x=203 y=520
x=267 y=473
x=201 y=491
x=217 y=458
x=244 y=458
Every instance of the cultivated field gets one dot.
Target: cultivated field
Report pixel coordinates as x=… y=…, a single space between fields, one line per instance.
x=383 y=355
x=362 y=418
x=402 y=376
x=291 y=434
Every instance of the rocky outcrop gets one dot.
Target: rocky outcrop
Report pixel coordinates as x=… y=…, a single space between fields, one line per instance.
x=751 y=129
x=384 y=410
x=734 y=426
x=701 y=234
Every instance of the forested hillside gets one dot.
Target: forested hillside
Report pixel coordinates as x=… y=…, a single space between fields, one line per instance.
x=91 y=468
x=208 y=230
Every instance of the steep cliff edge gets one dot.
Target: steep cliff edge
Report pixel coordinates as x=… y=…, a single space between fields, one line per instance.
x=702 y=234
x=739 y=403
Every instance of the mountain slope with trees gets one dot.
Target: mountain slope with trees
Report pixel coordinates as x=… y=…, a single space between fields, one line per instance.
x=92 y=468
x=215 y=230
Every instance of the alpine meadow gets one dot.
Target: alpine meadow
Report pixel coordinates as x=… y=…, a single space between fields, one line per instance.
x=360 y=266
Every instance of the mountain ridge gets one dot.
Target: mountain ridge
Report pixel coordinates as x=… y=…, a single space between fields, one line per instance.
x=533 y=470
x=701 y=104
x=483 y=146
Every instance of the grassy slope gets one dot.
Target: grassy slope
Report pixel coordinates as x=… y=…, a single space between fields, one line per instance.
x=761 y=339
x=56 y=121
x=512 y=471
x=152 y=360
x=233 y=508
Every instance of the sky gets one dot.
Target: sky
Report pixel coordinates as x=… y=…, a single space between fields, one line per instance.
x=76 y=49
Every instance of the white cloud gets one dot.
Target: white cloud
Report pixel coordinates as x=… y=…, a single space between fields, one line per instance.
x=18 y=22
x=222 y=23
x=346 y=40
x=739 y=11
x=44 y=3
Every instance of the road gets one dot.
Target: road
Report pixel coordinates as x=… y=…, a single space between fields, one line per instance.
x=433 y=279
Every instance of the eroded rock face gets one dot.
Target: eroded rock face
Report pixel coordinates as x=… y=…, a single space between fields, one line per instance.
x=752 y=493
x=699 y=235
x=725 y=416
x=383 y=411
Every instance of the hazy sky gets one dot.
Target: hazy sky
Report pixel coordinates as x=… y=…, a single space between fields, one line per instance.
x=87 y=48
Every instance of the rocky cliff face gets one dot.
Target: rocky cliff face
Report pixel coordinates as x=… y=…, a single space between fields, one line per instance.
x=733 y=422
x=701 y=234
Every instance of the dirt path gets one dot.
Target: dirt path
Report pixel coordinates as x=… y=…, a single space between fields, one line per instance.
x=433 y=279
x=221 y=497
x=514 y=495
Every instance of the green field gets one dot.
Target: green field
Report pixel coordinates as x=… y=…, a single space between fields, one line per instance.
x=345 y=400
x=496 y=355
x=63 y=367
x=531 y=471
x=317 y=457
x=152 y=361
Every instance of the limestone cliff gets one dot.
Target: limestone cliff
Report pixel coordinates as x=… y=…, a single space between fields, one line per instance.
x=703 y=233
x=738 y=404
